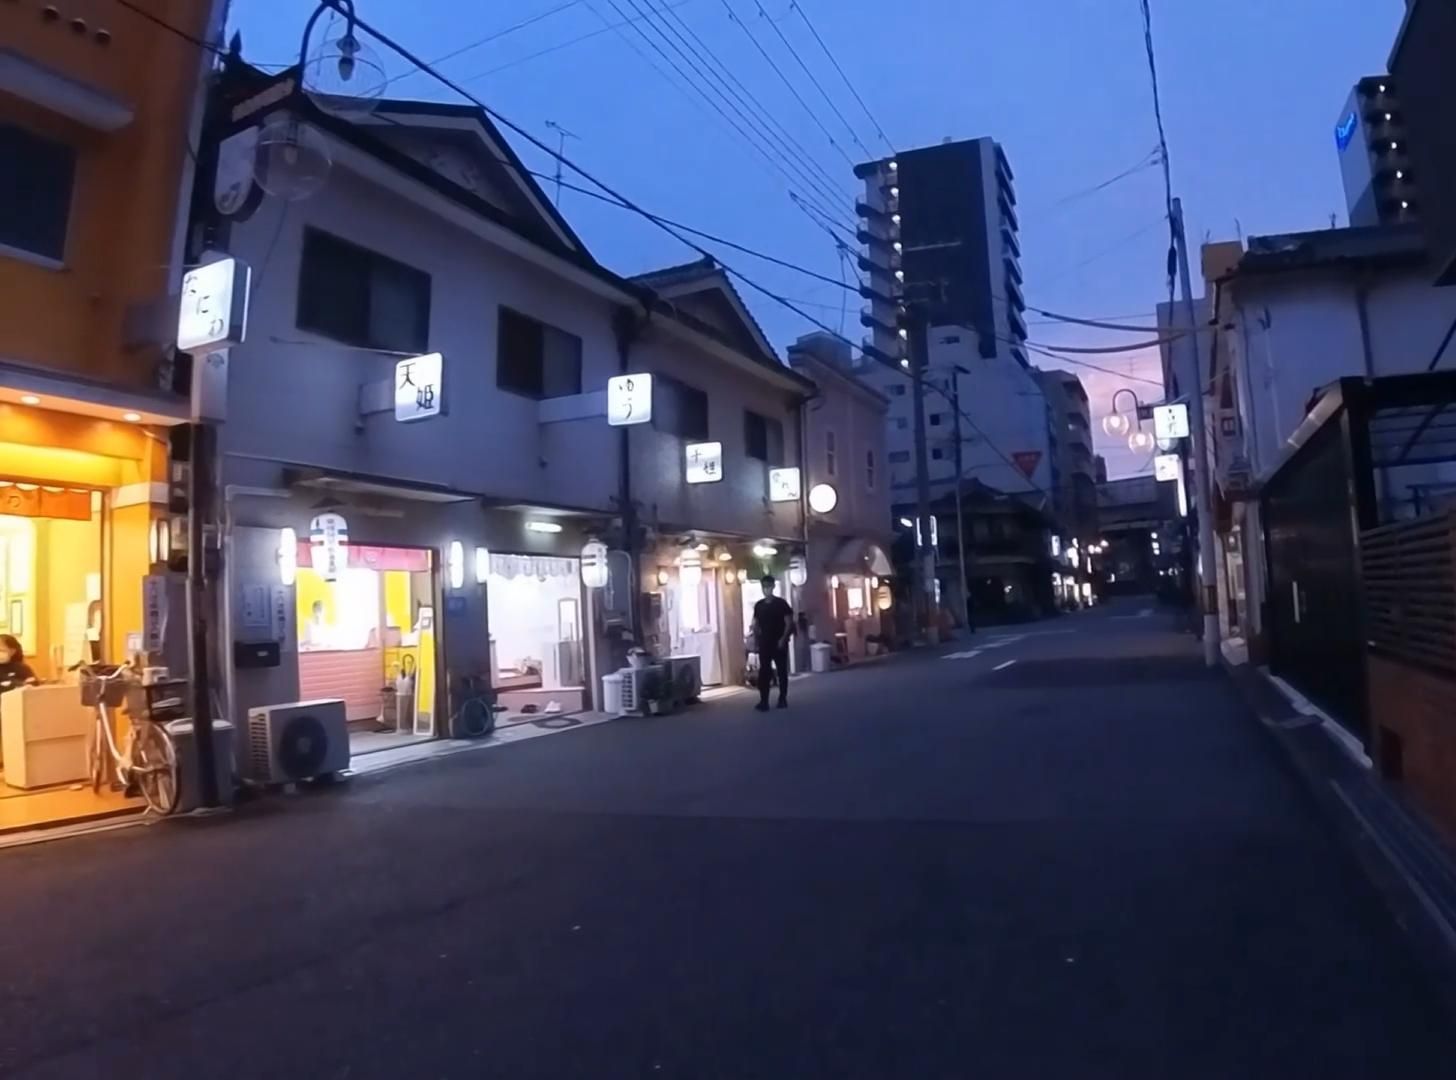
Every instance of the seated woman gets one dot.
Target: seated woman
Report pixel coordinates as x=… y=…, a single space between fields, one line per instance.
x=14 y=671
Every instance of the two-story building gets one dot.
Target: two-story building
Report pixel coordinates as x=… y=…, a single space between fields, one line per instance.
x=428 y=359
x=98 y=106
x=848 y=597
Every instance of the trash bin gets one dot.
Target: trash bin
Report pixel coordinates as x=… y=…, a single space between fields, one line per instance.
x=189 y=794
x=819 y=655
x=612 y=694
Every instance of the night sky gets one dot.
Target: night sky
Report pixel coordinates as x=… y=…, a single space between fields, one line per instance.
x=1251 y=93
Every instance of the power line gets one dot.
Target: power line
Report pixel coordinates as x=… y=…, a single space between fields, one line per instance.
x=607 y=27
x=626 y=203
x=777 y=70
x=1153 y=157
x=176 y=31
x=728 y=70
x=1147 y=13
x=734 y=87
x=494 y=35
x=794 y=5
x=779 y=33
x=686 y=78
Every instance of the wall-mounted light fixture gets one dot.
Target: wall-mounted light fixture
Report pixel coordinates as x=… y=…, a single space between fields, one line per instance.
x=287 y=556
x=455 y=560
x=549 y=528
x=482 y=565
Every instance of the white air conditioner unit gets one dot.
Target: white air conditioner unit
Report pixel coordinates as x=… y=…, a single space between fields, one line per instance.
x=642 y=690
x=684 y=678
x=303 y=740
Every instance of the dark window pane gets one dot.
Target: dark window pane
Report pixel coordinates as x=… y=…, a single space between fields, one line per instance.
x=679 y=409
x=520 y=345
x=36 y=180
x=755 y=436
x=561 y=375
x=360 y=297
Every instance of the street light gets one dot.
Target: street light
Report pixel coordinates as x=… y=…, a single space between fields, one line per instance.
x=1116 y=423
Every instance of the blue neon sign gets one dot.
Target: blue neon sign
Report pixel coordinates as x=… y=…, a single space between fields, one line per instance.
x=1345 y=131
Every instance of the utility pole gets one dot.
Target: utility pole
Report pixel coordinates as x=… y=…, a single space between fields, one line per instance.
x=561 y=136
x=919 y=331
x=1208 y=594
x=955 y=403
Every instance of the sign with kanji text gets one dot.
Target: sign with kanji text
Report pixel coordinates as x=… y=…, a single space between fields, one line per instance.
x=705 y=462
x=154 y=612
x=214 y=311
x=328 y=538
x=1166 y=467
x=1170 y=421
x=629 y=400
x=784 y=485
x=419 y=391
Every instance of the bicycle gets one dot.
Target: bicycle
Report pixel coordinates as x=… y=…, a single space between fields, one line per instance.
x=148 y=760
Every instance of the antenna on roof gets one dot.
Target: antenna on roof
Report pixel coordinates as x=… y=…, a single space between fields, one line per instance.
x=561 y=136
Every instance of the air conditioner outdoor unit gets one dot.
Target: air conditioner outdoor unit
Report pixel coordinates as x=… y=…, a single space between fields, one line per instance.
x=303 y=740
x=684 y=678
x=642 y=690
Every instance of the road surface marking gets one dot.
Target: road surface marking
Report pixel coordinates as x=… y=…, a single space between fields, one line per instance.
x=1003 y=667
x=962 y=655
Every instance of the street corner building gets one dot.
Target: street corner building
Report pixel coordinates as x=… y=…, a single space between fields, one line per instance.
x=96 y=112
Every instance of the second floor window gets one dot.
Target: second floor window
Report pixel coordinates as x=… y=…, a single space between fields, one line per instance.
x=357 y=296
x=679 y=409
x=831 y=454
x=35 y=192
x=870 y=464
x=763 y=438
x=535 y=359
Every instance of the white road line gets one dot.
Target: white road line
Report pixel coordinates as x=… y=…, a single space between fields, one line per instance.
x=1003 y=667
x=962 y=655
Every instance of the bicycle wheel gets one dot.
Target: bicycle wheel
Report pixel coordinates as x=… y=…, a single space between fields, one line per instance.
x=154 y=767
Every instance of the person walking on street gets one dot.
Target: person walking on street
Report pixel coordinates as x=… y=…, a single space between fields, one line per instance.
x=773 y=626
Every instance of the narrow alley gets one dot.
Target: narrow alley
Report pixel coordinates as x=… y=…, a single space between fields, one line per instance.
x=1063 y=850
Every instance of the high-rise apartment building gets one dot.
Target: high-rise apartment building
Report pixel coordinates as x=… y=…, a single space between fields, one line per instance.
x=940 y=229
x=1370 y=136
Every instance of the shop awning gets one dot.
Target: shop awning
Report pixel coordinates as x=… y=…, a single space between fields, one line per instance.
x=860 y=556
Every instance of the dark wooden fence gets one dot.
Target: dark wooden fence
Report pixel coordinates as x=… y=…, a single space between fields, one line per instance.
x=1408 y=573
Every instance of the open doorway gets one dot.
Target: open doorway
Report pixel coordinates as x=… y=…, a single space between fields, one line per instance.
x=537 y=654
x=370 y=638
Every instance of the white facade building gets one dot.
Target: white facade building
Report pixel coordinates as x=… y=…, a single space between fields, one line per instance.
x=1291 y=315
x=462 y=576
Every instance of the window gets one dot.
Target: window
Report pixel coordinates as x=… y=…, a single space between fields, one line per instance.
x=535 y=359
x=763 y=438
x=937 y=454
x=898 y=390
x=359 y=297
x=35 y=192
x=870 y=464
x=899 y=457
x=901 y=423
x=831 y=454
x=679 y=409
x=936 y=418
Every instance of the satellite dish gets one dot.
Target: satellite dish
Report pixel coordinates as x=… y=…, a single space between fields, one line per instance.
x=293 y=161
x=344 y=76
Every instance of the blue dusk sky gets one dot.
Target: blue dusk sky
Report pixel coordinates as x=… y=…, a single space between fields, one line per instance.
x=1251 y=93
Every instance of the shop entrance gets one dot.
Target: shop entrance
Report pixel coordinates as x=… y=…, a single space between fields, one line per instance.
x=52 y=617
x=537 y=656
x=370 y=638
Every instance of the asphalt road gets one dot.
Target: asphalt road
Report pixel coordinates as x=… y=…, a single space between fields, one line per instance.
x=1086 y=863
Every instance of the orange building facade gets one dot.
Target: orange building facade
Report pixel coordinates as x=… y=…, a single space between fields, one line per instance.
x=98 y=108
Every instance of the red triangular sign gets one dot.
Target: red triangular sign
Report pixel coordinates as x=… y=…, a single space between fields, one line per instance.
x=1027 y=461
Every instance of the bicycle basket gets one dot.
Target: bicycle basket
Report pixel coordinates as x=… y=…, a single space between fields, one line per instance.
x=96 y=690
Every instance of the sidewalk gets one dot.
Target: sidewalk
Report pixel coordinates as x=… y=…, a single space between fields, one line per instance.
x=1409 y=863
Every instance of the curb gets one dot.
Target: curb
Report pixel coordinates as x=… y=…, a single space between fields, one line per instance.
x=1359 y=810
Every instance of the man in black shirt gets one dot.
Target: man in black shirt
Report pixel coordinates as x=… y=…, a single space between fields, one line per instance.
x=773 y=625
